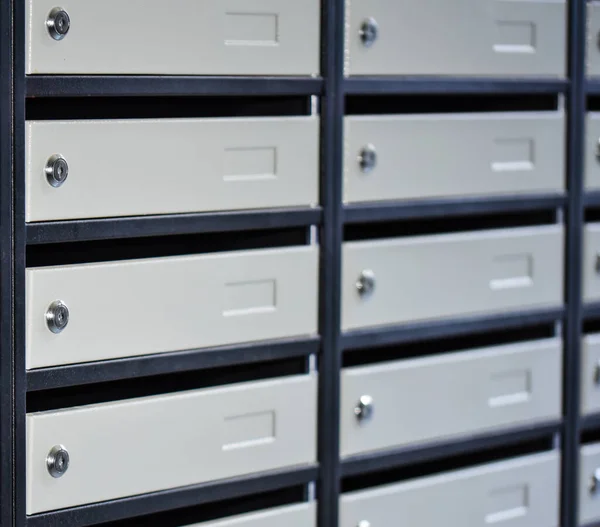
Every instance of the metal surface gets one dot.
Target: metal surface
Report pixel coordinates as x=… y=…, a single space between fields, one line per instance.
x=576 y=105
x=517 y=492
x=152 y=305
x=429 y=156
x=212 y=433
x=365 y=408
x=58 y=23
x=174 y=499
x=487 y=38
x=57 y=316
x=451 y=275
x=217 y=164
x=13 y=234
x=57 y=170
x=462 y=393
x=57 y=461
x=9 y=115
x=262 y=37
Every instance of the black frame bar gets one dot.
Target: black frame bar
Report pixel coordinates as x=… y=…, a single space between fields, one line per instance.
x=576 y=108
x=6 y=262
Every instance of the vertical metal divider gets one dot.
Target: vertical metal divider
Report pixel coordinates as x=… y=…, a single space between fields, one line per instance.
x=576 y=105
x=332 y=115
x=19 y=241
x=6 y=263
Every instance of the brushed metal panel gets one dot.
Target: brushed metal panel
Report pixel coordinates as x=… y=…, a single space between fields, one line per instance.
x=450 y=155
x=589 y=502
x=592 y=151
x=591 y=262
x=161 y=442
x=590 y=374
x=437 y=276
x=520 y=492
x=137 y=307
x=139 y=167
x=442 y=396
x=592 y=55
x=303 y=515
x=463 y=37
x=182 y=37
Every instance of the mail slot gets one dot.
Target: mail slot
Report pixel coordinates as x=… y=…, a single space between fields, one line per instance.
x=459 y=393
x=515 y=493
x=463 y=37
x=398 y=280
x=139 y=167
x=143 y=445
x=591 y=262
x=589 y=483
x=452 y=155
x=183 y=37
x=89 y=312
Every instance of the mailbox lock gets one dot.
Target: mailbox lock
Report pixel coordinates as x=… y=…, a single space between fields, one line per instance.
x=595 y=483
x=57 y=170
x=597 y=373
x=364 y=409
x=366 y=283
x=57 y=461
x=58 y=23
x=57 y=316
x=367 y=159
x=364 y=523
x=369 y=31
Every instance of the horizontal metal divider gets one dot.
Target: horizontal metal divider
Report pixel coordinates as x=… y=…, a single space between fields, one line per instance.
x=409 y=209
x=431 y=451
x=398 y=334
x=592 y=85
x=169 y=363
x=175 y=499
x=434 y=85
x=170 y=224
x=591 y=310
x=160 y=85
x=592 y=198
x=590 y=422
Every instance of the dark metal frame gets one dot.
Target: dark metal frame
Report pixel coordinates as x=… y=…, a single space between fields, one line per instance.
x=331 y=217
x=6 y=263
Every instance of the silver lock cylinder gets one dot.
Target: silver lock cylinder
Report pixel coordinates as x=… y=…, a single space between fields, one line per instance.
x=365 y=285
x=57 y=461
x=58 y=23
x=597 y=373
x=369 y=31
x=364 y=523
x=367 y=159
x=364 y=409
x=57 y=170
x=57 y=316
